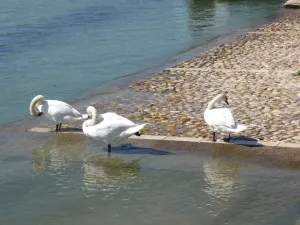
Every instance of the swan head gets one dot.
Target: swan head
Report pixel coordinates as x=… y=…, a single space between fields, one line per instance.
x=40 y=113
x=85 y=117
x=35 y=102
x=91 y=112
x=223 y=97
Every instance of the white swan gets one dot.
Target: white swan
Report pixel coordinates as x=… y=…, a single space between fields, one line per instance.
x=221 y=119
x=112 y=128
x=54 y=110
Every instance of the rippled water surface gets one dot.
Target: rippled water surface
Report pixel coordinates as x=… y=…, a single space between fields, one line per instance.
x=65 y=179
x=64 y=48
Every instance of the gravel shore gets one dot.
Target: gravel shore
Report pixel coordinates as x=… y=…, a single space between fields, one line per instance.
x=259 y=70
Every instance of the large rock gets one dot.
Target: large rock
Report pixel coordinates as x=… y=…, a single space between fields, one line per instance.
x=292 y=4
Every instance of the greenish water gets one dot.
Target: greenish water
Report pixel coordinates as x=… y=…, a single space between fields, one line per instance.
x=63 y=49
x=64 y=179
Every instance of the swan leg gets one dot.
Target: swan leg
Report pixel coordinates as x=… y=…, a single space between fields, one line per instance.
x=59 y=127
x=109 y=148
x=56 y=128
x=214 y=136
x=227 y=139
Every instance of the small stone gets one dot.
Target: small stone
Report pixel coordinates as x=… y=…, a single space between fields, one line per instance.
x=297 y=138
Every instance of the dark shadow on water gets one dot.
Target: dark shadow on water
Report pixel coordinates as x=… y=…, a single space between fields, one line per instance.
x=245 y=141
x=131 y=150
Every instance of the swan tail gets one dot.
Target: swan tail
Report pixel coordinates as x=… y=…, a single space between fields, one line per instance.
x=239 y=128
x=133 y=130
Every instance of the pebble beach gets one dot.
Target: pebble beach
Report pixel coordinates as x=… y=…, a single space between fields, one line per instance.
x=260 y=70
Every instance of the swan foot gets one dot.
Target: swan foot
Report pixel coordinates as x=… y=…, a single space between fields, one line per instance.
x=137 y=134
x=214 y=136
x=227 y=139
x=58 y=127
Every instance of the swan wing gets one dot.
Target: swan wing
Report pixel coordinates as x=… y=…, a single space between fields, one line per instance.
x=55 y=108
x=108 y=130
x=220 y=117
x=111 y=116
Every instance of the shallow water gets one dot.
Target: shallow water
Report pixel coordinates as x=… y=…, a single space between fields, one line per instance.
x=65 y=179
x=62 y=48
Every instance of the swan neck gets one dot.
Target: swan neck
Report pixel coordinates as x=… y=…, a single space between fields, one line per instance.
x=94 y=117
x=212 y=103
x=33 y=108
x=93 y=120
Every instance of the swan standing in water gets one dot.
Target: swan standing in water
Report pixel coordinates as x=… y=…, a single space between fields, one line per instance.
x=221 y=119
x=109 y=127
x=54 y=110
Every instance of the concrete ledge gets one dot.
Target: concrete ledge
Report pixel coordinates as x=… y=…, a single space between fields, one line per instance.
x=165 y=142
x=288 y=145
x=150 y=137
x=40 y=130
x=49 y=130
x=183 y=139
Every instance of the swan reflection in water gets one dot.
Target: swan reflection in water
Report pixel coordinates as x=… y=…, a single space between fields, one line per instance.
x=103 y=174
x=58 y=152
x=220 y=177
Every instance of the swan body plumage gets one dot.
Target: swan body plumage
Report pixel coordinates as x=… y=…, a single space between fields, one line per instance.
x=54 y=110
x=221 y=119
x=109 y=127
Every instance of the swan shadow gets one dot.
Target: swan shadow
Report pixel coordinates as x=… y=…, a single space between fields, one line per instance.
x=128 y=149
x=245 y=141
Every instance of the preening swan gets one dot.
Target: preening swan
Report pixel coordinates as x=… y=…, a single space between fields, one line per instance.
x=221 y=119
x=109 y=127
x=54 y=110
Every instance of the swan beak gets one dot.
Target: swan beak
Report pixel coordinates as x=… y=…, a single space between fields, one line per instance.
x=85 y=116
x=226 y=101
x=40 y=113
x=298 y=97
